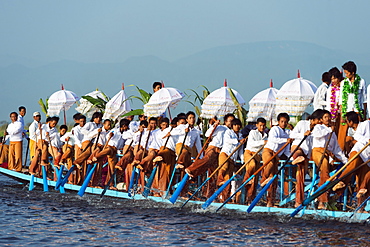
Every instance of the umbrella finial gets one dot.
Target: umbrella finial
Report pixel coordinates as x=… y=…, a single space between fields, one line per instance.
x=271 y=84
x=299 y=74
x=97 y=89
x=123 y=86
x=62 y=87
x=225 y=83
x=162 y=83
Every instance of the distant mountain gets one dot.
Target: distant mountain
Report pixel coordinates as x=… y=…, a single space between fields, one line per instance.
x=248 y=68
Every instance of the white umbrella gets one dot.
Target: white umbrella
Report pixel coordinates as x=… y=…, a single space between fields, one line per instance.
x=61 y=100
x=219 y=102
x=294 y=96
x=86 y=108
x=117 y=106
x=161 y=100
x=263 y=104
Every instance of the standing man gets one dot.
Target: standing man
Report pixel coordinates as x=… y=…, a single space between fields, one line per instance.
x=32 y=131
x=319 y=100
x=15 y=132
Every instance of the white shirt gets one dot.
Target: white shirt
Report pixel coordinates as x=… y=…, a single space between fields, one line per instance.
x=32 y=129
x=90 y=131
x=15 y=131
x=193 y=137
x=78 y=136
x=116 y=140
x=217 y=136
x=256 y=140
x=71 y=140
x=362 y=96
x=276 y=140
x=319 y=100
x=362 y=136
x=45 y=128
x=134 y=126
x=320 y=136
x=298 y=134
x=231 y=141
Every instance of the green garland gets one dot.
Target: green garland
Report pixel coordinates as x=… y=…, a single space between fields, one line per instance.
x=347 y=89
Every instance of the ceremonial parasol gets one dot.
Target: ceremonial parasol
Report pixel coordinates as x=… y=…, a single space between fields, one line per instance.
x=294 y=96
x=161 y=100
x=263 y=104
x=220 y=102
x=61 y=100
x=117 y=106
x=86 y=107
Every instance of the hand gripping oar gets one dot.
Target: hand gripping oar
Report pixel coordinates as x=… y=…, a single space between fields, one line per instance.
x=222 y=188
x=213 y=173
x=86 y=182
x=114 y=173
x=186 y=177
x=263 y=191
x=174 y=169
x=329 y=183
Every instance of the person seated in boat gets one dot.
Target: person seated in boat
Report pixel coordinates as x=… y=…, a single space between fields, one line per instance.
x=4 y=152
x=14 y=132
x=165 y=159
x=278 y=136
x=333 y=153
x=57 y=145
x=89 y=132
x=45 y=134
x=302 y=155
x=209 y=162
x=361 y=137
x=232 y=138
x=256 y=139
x=68 y=153
x=78 y=137
x=32 y=132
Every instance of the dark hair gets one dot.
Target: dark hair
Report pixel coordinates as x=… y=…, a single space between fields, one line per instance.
x=350 y=66
x=124 y=122
x=284 y=115
x=108 y=120
x=54 y=119
x=228 y=115
x=352 y=116
x=326 y=77
x=63 y=126
x=189 y=113
x=334 y=72
x=236 y=121
x=21 y=108
x=96 y=115
x=261 y=120
x=77 y=116
x=181 y=114
x=81 y=117
x=318 y=114
x=144 y=122
x=153 y=119
x=165 y=120
x=48 y=119
x=174 y=120
x=157 y=83
x=16 y=114
x=179 y=118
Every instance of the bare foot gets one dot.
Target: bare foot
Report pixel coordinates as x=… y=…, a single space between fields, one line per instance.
x=338 y=186
x=89 y=161
x=297 y=204
x=118 y=167
x=135 y=162
x=112 y=188
x=251 y=181
x=140 y=167
x=321 y=206
x=179 y=166
x=265 y=182
x=94 y=159
x=157 y=159
x=270 y=205
x=297 y=160
x=188 y=172
x=361 y=193
x=43 y=163
x=78 y=166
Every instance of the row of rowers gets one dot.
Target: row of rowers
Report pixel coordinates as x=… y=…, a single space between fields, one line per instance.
x=143 y=145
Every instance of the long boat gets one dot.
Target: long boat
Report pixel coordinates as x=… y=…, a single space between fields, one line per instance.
x=316 y=214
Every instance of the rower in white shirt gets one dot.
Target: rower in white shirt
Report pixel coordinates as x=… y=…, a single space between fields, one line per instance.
x=32 y=132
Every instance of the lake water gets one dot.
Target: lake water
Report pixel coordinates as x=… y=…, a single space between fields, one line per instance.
x=37 y=218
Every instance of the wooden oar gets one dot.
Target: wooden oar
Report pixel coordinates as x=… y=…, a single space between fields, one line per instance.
x=214 y=172
x=326 y=186
x=264 y=190
x=174 y=169
x=25 y=160
x=186 y=177
x=86 y=182
x=359 y=207
x=114 y=173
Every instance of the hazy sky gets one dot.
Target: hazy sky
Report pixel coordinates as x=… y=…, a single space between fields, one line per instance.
x=113 y=30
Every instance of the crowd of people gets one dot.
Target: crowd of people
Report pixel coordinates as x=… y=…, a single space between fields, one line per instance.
x=336 y=133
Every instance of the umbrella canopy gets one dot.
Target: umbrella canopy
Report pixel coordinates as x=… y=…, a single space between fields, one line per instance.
x=61 y=100
x=161 y=100
x=86 y=108
x=117 y=106
x=294 y=96
x=263 y=105
x=220 y=102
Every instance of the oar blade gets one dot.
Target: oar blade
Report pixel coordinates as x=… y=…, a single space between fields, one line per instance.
x=65 y=179
x=32 y=185
x=217 y=193
x=262 y=192
x=81 y=192
x=148 y=185
x=179 y=188
x=45 y=179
